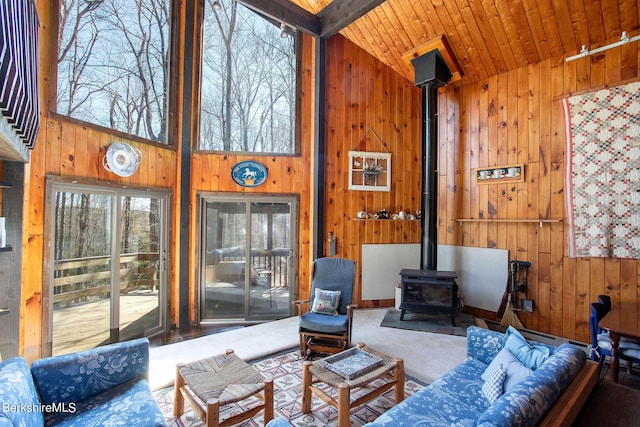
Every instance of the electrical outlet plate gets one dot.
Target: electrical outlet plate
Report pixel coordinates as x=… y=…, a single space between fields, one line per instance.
x=526 y=305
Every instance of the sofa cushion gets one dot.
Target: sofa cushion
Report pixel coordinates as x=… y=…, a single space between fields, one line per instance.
x=18 y=397
x=515 y=371
x=463 y=383
x=322 y=323
x=76 y=376
x=493 y=387
x=128 y=404
x=530 y=355
x=431 y=406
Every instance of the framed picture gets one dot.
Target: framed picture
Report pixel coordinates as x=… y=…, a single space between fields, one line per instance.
x=369 y=171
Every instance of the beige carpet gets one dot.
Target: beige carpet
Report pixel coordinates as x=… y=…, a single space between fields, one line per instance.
x=427 y=356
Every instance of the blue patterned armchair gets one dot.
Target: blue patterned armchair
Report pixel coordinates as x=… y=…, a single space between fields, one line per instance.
x=99 y=387
x=326 y=325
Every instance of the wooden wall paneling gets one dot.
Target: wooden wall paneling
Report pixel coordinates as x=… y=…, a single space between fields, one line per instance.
x=485 y=156
x=532 y=143
x=598 y=70
x=582 y=301
x=542 y=299
x=499 y=111
x=629 y=61
x=443 y=168
x=477 y=152
x=466 y=167
x=550 y=26
x=56 y=137
x=612 y=278
x=454 y=24
x=448 y=162
x=93 y=164
x=629 y=290
x=569 y=297
x=480 y=32
x=497 y=154
x=612 y=67
x=556 y=188
x=32 y=323
x=78 y=156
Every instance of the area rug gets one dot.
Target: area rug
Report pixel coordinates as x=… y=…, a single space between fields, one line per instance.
x=438 y=323
x=286 y=371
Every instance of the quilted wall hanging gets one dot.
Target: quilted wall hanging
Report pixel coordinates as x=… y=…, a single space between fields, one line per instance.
x=602 y=172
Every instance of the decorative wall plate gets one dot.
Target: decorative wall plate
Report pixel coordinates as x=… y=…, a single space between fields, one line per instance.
x=249 y=173
x=121 y=159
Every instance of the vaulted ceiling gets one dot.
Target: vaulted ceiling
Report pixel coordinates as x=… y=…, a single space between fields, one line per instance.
x=483 y=37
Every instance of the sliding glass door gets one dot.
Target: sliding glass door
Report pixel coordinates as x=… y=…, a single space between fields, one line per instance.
x=247 y=255
x=107 y=269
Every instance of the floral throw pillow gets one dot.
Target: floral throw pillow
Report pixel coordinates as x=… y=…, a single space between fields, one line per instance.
x=326 y=302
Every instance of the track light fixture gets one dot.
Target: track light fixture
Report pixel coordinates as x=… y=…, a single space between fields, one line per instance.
x=216 y=5
x=585 y=51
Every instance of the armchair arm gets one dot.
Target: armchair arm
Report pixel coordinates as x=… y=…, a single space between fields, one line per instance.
x=76 y=376
x=299 y=303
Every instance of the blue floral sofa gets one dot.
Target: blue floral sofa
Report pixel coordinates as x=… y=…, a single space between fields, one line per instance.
x=104 y=386
x=505 y=381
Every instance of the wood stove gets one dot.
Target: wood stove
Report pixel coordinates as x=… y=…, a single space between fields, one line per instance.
x=429 y=291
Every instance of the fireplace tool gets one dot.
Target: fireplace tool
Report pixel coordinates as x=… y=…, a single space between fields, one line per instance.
x=509 y=316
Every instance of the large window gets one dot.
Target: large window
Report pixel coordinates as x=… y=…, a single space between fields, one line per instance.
x=113 y=63
x=248 y=81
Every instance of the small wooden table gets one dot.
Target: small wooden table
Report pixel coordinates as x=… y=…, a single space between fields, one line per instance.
x=312 y=372
x=621 y=321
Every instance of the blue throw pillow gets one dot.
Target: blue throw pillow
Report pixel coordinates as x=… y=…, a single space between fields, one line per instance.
x=515 y=370
x=326 y=302
x=530 y=355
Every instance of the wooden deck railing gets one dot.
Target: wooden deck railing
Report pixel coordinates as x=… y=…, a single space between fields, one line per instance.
x=81 y=280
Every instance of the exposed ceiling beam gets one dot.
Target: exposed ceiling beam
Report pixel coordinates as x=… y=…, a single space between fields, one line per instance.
x=287 y=12
x=340 y=13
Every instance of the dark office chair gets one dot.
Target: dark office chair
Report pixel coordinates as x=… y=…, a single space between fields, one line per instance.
x=323 y=329
x=628 y=350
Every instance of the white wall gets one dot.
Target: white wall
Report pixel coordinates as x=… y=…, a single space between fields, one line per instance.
x=482 y=273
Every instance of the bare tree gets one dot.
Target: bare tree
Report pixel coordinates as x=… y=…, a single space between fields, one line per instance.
x=113 y=64
x=246 y=106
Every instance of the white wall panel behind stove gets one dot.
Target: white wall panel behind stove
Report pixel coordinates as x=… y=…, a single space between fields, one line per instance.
x=482 y=272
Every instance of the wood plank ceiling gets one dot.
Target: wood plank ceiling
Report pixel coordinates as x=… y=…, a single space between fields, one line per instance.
x=485 y=37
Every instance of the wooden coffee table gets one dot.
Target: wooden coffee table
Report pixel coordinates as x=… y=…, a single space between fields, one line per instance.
x=392 y=369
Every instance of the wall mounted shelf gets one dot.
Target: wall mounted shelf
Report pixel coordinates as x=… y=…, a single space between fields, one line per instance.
x=540 y=221
x=500 y=174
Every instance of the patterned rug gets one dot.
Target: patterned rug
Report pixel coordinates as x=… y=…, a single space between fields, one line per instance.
x=602 y=172
x=438 y=323
x=286 y=371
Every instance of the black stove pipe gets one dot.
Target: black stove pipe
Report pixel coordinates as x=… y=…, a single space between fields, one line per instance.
x=429 y=221
x=431 y=72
